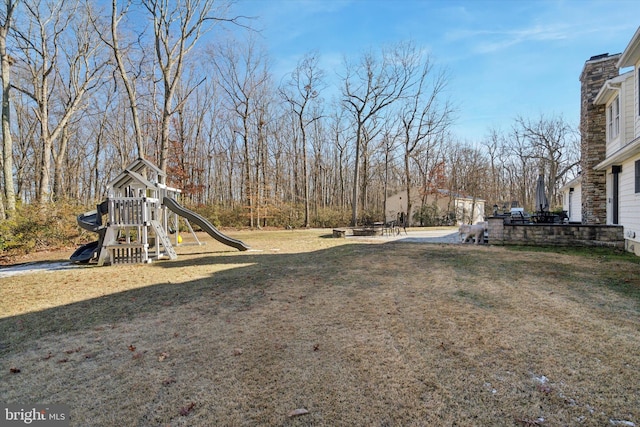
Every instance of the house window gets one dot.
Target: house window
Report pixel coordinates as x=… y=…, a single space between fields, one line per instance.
x=613 y=118
x=637 y=176
x=616 y=117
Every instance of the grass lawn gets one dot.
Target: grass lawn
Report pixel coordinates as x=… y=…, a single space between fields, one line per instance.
x=348 y=332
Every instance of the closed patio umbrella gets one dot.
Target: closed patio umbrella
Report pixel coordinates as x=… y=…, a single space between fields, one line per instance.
x=542 y=204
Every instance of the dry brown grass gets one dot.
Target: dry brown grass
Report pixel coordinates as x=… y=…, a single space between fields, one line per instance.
x=356 y=333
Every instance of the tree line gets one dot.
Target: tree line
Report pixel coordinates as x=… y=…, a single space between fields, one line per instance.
x=87 y=88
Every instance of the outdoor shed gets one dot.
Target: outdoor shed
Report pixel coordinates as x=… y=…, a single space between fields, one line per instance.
x=572 y=199
x=441 y=205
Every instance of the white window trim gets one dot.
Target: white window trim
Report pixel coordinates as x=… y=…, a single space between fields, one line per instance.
x=616 y=119
x=613 y=119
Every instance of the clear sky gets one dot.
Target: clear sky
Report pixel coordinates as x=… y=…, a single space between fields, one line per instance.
x=505 y=57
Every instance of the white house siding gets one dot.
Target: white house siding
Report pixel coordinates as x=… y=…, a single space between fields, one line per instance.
x=636 y=95
x=629 y=204
x=572 y=200
x=627 y=112
x=637 y=103
x=576 y=205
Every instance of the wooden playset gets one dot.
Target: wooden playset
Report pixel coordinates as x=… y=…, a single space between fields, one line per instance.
x=141 y=213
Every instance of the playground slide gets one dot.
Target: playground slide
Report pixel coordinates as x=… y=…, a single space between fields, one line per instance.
x=204 y=224
x=85 y=252
x=91 y=221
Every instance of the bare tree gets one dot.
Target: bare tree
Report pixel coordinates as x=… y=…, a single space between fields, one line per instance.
x=7 y=141
x=127 y=76
x=389 y=140
x=552 y=144
x=468 y=176
x=242 y=77
x=99 y=135
x=177 y=27
x=302 y=89
x=496 y=148
x=55 y=38
x=370 y=86
x=25 y=153
x=341 y=144
x=424 y=117
x=522 y=168
x=84 y=62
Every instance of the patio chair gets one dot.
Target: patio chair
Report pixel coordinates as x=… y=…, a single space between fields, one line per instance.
x=390 y=228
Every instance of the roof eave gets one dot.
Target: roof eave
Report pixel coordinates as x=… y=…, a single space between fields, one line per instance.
x=631 y=54
x=605 y=94
x=573 y=183
x=610 y=88
x=630 y=149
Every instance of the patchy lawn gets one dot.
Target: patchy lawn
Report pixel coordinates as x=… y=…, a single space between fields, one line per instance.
x=345 y=332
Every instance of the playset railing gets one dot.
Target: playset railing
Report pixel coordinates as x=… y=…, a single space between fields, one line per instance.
x=132 y=211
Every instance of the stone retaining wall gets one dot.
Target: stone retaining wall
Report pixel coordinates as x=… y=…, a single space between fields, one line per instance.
x=500 y=233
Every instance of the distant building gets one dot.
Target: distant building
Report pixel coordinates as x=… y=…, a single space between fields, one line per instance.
x=440 y=205
x=572 y=199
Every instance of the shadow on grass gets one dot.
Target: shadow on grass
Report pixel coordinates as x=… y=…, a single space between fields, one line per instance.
x=257 y=272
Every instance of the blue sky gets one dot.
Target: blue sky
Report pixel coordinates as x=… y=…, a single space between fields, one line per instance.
x=505 y=57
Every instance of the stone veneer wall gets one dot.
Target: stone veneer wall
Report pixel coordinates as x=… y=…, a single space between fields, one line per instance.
x=500 y=233
x=593 y=126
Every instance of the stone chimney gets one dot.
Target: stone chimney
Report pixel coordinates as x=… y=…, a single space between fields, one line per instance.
x=593 y=125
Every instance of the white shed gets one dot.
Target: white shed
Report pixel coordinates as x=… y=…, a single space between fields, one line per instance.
x=465 y=209
x=572 y=199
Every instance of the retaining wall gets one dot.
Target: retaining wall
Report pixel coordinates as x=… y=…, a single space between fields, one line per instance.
x=500 y=233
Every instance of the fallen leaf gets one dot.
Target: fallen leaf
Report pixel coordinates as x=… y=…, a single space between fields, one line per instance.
x=184 y=411
x=168 y=381
x=545 y=388
x=298 y=412
x=530 y=423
